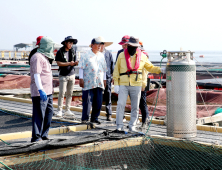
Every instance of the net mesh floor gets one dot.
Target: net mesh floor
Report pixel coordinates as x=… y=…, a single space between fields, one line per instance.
x=133 y=153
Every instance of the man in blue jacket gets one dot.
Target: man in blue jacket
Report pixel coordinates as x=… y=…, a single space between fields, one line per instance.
x=110 y=67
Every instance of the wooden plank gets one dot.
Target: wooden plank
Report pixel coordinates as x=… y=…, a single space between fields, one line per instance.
x=52 y=131
x=210 y=119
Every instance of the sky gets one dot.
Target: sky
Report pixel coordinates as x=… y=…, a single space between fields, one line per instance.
x=159 y=24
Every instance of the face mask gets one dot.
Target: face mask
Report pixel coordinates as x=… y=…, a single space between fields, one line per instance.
x=131 y=50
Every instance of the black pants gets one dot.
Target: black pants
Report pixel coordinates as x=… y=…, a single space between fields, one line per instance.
x=107 y=97
x=92 y=98
x=41 y=118
x=143 y=107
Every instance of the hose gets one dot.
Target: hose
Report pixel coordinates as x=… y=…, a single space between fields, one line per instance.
x=156 y=98
x=5 y=165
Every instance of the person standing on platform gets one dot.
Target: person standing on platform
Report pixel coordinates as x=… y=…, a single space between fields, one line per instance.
x=127 y=77
x=124 y=41
x=143 y=105
x=41 y=89
x=92 y=78
x=66 y=60
x=108 y=89
x=124 y=44
x=38 y=39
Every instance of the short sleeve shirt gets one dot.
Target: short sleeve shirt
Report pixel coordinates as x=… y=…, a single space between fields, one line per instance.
x=39 y=64
x=65 y=70
x=94 y=66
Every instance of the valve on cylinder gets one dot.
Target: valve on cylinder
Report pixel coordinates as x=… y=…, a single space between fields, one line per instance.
x=164 y=54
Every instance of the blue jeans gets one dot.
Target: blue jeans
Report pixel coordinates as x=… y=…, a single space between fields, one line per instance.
x=143 y=107
x=92 y=98
x=41 y=118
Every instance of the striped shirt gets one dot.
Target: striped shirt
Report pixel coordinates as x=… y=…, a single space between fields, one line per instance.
x=39 y=64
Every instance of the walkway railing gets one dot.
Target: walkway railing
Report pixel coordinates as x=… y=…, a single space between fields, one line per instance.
x=14 y=55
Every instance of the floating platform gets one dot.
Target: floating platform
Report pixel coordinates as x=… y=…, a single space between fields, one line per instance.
x=91 y=146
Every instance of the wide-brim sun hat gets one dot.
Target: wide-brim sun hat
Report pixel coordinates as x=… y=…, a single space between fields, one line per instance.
x=69 y=38
x=99 y=40
x=133 y=42
x=46 y=47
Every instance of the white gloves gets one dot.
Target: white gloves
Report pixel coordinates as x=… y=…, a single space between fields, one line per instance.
x=163 y=70
x=116 y=89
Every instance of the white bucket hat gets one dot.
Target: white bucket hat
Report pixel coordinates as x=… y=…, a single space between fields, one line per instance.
x=100 y=40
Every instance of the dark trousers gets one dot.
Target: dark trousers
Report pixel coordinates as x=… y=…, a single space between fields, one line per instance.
x=143 y=107
x=41 y=118
x=107 y=97
x=92 y=99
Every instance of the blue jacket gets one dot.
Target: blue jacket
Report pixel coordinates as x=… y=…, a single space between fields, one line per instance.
x=110 y=65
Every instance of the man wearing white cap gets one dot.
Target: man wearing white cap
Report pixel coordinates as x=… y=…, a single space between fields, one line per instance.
x=92 y=78
x=110 y=67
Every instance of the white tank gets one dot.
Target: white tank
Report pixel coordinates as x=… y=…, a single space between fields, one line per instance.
x=181 y=94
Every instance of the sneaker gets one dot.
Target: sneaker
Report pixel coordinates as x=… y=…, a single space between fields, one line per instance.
x=120 y=129
x=85 y=121
x=45 y=138
x=36 y=140
x=69 y=113
x=133 y=129
x=108 y=118
x=96 y=121
x=58 y=114
x=138 y=121
x=144 y=125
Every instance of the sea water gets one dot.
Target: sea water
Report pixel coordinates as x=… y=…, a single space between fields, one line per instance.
x=209 y=56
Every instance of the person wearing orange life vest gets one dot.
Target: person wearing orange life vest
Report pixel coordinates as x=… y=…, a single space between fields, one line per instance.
x=127 y=77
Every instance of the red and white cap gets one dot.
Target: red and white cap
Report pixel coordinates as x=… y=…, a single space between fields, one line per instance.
x=125 y=39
